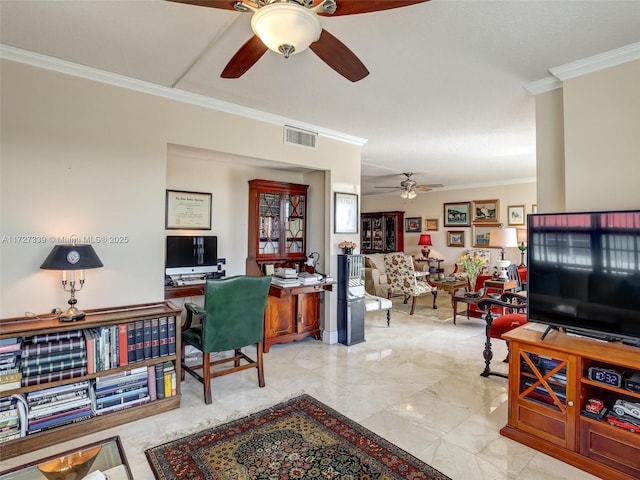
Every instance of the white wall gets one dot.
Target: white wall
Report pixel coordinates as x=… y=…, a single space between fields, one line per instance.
x=602 y=139
x=431 y=205
x=588 y=141
x=87 y=158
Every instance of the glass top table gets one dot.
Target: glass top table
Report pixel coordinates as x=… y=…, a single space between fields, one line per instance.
x=108 y=459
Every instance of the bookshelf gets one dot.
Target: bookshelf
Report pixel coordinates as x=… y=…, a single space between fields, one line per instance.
x=26 y=327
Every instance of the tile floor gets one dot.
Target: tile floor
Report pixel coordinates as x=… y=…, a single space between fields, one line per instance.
x=417 y=384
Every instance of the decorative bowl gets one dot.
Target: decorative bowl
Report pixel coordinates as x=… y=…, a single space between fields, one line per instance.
x=70 y=467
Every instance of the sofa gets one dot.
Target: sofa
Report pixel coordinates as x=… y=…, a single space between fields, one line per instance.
x=375 y=276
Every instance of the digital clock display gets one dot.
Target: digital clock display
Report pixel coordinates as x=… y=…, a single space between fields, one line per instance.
x=606 y=376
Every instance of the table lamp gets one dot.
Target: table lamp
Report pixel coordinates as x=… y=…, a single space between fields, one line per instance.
x=503 y=238
x=425 y=241
x=522 y=244
x=72 y=257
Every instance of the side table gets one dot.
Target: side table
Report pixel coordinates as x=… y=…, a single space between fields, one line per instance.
x=450 y=287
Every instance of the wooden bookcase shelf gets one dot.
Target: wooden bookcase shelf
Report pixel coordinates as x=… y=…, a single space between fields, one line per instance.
x=548 y=390
x=28 y=326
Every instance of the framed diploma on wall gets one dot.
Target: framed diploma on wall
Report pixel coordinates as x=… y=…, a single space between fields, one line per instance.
x=188 y=210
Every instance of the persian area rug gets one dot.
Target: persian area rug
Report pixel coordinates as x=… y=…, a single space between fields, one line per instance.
x=298 y=439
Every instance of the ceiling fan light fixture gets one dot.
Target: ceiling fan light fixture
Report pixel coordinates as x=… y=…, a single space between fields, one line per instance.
x=286 y=28
x=411 y=195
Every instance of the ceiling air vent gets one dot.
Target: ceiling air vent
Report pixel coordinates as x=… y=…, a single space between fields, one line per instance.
x=297 y=136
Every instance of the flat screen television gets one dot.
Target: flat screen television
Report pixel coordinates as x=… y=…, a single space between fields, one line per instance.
x=191 y=255
x=584 y=273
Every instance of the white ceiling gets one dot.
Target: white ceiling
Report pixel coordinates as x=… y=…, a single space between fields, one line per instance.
x=445 y=96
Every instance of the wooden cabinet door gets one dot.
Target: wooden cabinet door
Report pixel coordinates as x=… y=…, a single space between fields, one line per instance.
x=278 y=316
x=308 y=312
x=542 y=394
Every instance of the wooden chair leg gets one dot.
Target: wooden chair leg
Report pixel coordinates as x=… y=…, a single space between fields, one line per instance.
x=413 y=305
x=206 y=377
x=260 y=366
x=236 y=353
x=435 y=296
x=182 y=362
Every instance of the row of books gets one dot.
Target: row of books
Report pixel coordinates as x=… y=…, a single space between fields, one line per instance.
x=45 y=358
x=11 y=412
x=10 y=375
x=45 y=409
x=53 y=356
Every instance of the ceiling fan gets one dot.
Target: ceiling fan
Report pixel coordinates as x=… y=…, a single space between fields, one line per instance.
x=409 y=187
x=291 y=26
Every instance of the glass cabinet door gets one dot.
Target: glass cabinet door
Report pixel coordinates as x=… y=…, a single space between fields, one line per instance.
x=269 y=242
x=294 y=223
x=377 y=231
x=543 y=380
x=390 y=228
x=366 y=234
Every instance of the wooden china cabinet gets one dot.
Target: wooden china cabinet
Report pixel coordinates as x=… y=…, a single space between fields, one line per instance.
x=382 y=232
x=277 y=238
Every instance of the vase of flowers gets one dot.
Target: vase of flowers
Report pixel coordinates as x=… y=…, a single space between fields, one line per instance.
x=347 y=247
x=473 y=265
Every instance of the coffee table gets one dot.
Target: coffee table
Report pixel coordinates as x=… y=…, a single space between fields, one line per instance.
x=450 y=286
x=111 y=460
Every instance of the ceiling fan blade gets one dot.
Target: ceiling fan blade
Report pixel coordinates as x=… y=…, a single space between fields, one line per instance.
x=426 y=188
x=338 y=56
x=223 y=4
x=351 y=7
x=244 y=58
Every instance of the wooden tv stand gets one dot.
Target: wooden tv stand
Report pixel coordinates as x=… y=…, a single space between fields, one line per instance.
x=548 y=390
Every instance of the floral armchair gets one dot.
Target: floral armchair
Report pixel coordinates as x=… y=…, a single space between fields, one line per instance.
x=402 y=279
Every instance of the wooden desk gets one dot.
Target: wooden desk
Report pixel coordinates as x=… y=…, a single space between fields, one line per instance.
x=183 y=291
x=293 y=313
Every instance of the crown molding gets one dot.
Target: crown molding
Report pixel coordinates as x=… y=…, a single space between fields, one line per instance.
x=585 y=66
x=594 y=63
x=543 y=85
x=68 y=68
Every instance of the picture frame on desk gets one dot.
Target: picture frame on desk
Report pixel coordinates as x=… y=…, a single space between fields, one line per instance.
x=187 y=210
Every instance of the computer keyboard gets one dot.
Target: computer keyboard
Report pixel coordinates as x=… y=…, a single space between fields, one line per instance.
x=197 y=281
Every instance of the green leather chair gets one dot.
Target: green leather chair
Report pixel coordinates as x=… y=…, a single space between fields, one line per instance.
x=232 y=318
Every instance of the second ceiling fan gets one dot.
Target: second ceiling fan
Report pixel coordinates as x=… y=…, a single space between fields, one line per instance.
x=409 y=187
x=291 y=26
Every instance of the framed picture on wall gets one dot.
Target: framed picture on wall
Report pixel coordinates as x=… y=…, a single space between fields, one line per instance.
x=345 y=212
x=413 y=224
x=455 y=238
x=187 y=210
x=457 y=214
x=481 y=234
x=431 y=224
x=486 y=211
x=515 y=215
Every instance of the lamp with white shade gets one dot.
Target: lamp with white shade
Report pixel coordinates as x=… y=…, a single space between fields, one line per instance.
x=503 y=238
